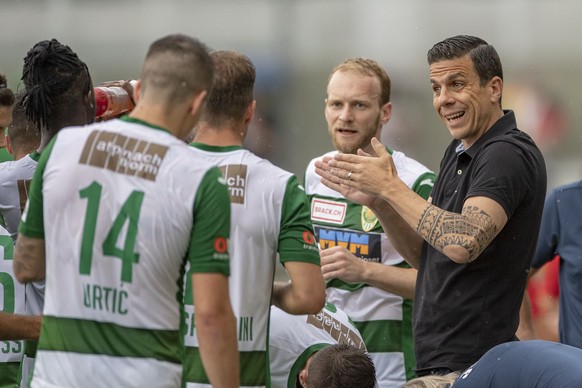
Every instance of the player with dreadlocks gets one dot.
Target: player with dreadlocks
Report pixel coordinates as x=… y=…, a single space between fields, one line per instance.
x=58 y=93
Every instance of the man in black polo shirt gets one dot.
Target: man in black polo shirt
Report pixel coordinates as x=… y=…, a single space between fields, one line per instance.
x=472 y=242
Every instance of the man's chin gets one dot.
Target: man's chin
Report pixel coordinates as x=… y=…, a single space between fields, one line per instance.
x=346 y=149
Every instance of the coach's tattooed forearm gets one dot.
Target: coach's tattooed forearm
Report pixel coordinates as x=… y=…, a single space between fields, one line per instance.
x=472 y=230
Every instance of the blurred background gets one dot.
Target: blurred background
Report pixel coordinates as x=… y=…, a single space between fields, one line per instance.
x=295 y=44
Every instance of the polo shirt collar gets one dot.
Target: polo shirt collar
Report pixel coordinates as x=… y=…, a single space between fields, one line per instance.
x=505 y=124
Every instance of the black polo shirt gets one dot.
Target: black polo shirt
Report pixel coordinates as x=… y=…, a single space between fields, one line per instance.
x=463 y=310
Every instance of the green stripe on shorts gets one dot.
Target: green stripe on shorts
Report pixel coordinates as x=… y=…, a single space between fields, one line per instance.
x=253 y=366
x=9 y=374
x=101 y=338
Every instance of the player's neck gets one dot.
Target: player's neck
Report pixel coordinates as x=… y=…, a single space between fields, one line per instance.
x=218 y=136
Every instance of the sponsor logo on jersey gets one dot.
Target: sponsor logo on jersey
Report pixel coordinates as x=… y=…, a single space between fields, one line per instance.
x=220 y=248
x=236 y=179
x=366 y=246
x=369 y=219
x=308 y=237
x=123 y=154
x=336 y=329
x=332 y=212
x=309 y=241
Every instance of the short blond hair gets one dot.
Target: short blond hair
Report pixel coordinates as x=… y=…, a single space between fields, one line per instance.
x=370 y=68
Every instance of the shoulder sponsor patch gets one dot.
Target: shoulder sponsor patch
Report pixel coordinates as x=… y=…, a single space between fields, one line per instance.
x=236 y=178
x=332 y=212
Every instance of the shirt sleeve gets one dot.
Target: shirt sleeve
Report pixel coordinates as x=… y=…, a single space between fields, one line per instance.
x=296 y=240
x=505 y=173
x=549 y=233
x=208 y=251
x=424 y=184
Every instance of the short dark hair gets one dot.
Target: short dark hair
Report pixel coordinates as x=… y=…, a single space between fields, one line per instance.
x=232 y=92
x=484 y=56
x=23 y=133
x=341 y=366
x=6 y=94
x=177 y=66
x=54 y=79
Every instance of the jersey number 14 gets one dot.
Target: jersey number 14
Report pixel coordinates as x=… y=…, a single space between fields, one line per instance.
x=129 y=212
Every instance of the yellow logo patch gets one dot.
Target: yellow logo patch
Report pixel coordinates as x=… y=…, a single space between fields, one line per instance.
x=369 y=219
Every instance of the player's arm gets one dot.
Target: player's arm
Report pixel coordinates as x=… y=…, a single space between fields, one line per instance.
x=216 y=329
x=208 y=255
x=14 y=327
x=29 y=259
x=338 y=262
x=526 y=329
x=460 y=237
x=305 y=291
x=29 y=251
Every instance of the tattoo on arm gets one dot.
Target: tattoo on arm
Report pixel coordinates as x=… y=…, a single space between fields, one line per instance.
x=473 y=229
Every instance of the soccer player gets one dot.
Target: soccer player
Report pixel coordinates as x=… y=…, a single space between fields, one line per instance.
x=6 y=104
x=58 y=92
x=295 y=339
x=367 y=278
x=111 y=222
x=23 y=137
x=270 y=218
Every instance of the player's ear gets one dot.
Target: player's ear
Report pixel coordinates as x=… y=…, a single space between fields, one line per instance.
x=8 y=145
x=198 y=102
x=303 y=377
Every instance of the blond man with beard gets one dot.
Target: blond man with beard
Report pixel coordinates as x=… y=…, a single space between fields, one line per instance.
x=365 y=275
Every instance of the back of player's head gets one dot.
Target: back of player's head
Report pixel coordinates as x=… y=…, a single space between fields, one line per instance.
x=341 y=366
x=6 y=94
x=176 y=67
x=369 y=68
x=232 y=92
x=58 y=86
x=6 y=103
x=23 y=133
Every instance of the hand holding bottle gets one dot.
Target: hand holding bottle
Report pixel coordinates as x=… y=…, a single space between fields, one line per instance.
x=114 y=99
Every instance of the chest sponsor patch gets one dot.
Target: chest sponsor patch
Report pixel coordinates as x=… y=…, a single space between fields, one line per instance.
x=328 y=211
x=366 y=246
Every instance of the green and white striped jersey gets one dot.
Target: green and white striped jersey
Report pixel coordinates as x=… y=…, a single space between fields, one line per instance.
x=15 y=177
x=122 y=206
x=383 y=318
x=11 y=301
x=270 y=215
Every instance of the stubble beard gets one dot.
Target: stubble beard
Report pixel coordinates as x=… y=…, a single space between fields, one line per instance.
x=363 y=143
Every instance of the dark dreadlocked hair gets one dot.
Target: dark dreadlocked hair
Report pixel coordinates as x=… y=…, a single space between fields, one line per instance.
x=53 y=77
x=6 y=94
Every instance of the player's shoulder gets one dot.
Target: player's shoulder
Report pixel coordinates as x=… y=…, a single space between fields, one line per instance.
x=19 y=169
x=409 y=167
x=573 y=186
